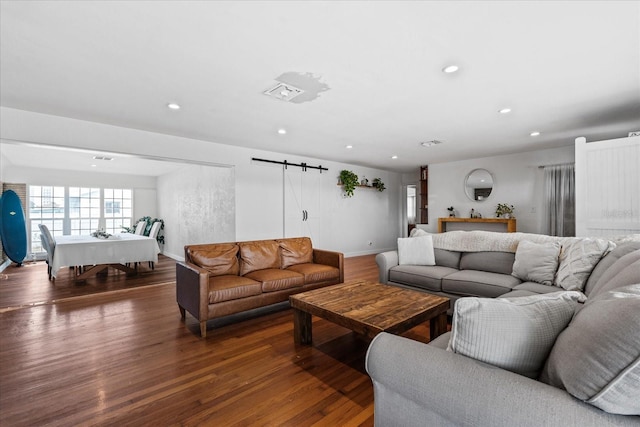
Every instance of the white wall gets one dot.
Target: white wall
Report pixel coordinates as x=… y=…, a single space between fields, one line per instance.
x=517 y=181
x=348 y=225
x=197 y=204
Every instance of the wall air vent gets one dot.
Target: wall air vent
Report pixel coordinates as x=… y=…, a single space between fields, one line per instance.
x=283 y=92
x=102 y=158
x=430 y=143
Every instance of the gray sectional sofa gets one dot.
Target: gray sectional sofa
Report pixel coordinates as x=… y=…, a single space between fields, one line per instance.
x=477 y=263
x=589 y=375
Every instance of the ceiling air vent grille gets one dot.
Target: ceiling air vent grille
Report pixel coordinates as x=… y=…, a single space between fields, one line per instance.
x=283 y=92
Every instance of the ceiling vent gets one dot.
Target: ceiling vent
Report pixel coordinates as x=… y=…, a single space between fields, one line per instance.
x=283 y=92
x=430 y=143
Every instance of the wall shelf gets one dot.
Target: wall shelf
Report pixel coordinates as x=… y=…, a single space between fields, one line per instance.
x=507 y=225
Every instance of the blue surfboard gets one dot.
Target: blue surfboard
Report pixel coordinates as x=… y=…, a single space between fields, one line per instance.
x=13 y=229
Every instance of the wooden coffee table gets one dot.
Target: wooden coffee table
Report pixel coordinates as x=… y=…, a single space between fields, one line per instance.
x=368 y=308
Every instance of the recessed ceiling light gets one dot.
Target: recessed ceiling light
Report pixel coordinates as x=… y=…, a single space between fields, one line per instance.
x=173 y=106
x=282 y=131
x=93 y=166
x=450 y=69
x=348 y=147
x=505 y=111
x=536 y=133
x=394 y=157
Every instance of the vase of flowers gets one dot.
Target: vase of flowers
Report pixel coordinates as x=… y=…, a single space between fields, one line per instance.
x=504 y=210
x=452 y=212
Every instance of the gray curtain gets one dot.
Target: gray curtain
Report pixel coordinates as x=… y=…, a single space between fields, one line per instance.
x=560 y=200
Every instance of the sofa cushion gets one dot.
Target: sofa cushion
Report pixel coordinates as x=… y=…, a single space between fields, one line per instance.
x=416 y=251
x=316 y=273
x=619 y=274
x=478 y=283
x=229 y=287
x=276 y=279
x=597 y=358
x=536 y=288
x=494 y=262
x=536 y=262
x=606 y=262
x=512 y=333
x=294 y=251
x=420 y=276
x=258 y=255
x=447 y=258
x=578 y=257
x=219 y=259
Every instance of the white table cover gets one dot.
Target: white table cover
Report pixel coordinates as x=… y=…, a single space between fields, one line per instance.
x=118 y=249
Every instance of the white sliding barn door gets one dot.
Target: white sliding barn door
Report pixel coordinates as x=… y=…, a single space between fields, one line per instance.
x=607 y=187
x=302 y=204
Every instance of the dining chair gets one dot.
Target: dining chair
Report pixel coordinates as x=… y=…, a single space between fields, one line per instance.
x=49 y=245
x=155 y=229
x=140 y=227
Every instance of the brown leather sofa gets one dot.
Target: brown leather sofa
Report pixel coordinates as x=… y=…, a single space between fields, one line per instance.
x=220 y=279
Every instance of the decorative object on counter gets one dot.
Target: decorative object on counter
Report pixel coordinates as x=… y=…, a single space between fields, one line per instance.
x=364 y=182
x=349 y=181
x=101 y=234
x=147 y=229
x=377 y=183
x=452 y=211
x=504 y=210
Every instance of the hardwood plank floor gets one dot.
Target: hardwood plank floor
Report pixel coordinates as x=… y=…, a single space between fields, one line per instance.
x=124 y=357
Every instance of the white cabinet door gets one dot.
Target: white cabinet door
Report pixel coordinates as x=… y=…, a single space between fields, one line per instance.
x=302 y=204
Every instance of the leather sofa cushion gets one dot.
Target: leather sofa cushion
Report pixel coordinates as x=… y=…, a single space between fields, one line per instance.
x=227 y=288
x=258 y=255
x=428 y=277
x=493 y=262
x=316 y=273
x=219 y=259
x=295 y=251
x=479 y=283
x=276 y=279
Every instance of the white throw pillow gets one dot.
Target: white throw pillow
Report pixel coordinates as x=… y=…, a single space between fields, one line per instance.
x=536 y=262
x=418 y=232
x=515 y=334
x=577 y=260
x=416 y=251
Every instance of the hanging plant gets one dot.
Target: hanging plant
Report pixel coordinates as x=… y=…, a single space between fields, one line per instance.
x=349 y=182
x=377 y=183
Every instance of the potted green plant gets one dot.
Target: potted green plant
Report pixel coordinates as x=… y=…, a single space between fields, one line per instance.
x=504 y=210
x=377 y=183
x=452 y=211
x=349 y=182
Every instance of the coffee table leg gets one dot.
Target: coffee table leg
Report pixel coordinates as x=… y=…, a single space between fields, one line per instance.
x=437 y=326
x=301 y=327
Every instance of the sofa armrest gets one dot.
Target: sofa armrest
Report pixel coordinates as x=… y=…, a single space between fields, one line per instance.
x=417 y=384
x=385 y=261
x=330 y=258
x=192 y=289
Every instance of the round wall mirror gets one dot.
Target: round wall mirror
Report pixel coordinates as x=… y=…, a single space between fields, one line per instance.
x=478 y=184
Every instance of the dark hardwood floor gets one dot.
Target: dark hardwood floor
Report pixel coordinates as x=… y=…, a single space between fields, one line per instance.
x=115 y=352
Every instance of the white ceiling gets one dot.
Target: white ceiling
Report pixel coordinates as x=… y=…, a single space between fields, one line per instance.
x=566 y=69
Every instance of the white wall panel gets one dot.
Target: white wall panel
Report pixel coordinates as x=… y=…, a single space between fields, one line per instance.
x=607 y=187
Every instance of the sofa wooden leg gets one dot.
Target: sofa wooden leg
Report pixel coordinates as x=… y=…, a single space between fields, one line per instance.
x=183 y=313
x=203 y=329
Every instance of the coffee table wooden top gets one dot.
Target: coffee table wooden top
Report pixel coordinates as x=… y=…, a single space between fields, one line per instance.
x=370 y=308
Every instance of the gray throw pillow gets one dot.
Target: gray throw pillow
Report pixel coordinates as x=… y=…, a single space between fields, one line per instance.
x=577 y=260
x=597 y=357
x=536 y=262
x=515 y=334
